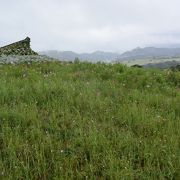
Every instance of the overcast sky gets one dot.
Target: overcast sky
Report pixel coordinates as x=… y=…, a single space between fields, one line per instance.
x=90 y=25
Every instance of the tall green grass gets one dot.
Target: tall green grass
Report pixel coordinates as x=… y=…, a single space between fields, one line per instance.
x=88 y=121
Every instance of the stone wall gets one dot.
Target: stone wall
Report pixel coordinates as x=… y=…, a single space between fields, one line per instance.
x=15 y=59
x=18 y=48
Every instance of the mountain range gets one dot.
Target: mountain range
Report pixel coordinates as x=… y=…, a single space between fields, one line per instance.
x=71 y=56
x=137 y=53
x=150 y=52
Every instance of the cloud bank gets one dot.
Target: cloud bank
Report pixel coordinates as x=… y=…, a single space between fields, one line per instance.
x=90 y=25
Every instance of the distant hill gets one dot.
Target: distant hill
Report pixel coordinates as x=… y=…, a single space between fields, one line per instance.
x=137 y=53
x=150 y=52
x=163 y=65
x=70 y=56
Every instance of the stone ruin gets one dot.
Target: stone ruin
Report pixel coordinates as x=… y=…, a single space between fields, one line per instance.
x=18 y=48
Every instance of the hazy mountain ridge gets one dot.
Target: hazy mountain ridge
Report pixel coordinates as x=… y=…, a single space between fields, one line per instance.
x=70 y=55
x=137 y=53
x=150 y=52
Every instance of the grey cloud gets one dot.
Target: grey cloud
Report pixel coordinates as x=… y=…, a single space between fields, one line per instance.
x=89 y=25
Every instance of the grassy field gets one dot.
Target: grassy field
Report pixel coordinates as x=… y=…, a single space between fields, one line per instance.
x=88 y=121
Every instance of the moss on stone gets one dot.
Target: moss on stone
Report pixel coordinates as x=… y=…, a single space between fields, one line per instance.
x=18 y=48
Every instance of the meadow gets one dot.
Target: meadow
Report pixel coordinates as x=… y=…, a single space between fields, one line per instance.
x=88 y=121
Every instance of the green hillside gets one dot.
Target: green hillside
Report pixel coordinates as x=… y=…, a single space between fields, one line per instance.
x=88 y=121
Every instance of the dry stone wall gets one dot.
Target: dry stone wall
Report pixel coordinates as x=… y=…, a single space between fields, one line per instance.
x=18 y=48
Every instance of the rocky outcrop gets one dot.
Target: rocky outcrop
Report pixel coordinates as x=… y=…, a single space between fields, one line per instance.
x=18 y=48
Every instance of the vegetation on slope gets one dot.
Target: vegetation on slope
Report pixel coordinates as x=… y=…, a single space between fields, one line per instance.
x=88 y=121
